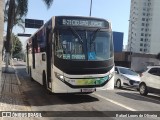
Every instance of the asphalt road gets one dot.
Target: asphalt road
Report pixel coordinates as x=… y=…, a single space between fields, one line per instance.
x=116 y=100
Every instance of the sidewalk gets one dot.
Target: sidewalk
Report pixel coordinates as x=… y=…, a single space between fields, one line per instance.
x=11 y=97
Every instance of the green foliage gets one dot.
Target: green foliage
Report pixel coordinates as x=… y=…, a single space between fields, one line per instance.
x=16 y=45
x=48 y=2
x=20 y=11
x=14 y=12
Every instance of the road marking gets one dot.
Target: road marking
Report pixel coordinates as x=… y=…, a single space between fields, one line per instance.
x=112 y=101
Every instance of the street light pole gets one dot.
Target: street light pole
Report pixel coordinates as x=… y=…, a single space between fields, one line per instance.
x=90 y=8
x=130 y=51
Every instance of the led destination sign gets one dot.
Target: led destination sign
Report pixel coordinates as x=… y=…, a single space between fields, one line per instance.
x=83 y=22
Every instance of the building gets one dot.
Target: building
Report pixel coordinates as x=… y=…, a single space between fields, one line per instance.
x=118 y=41
x=1 y=29
x=139 y=61
x=144 y=26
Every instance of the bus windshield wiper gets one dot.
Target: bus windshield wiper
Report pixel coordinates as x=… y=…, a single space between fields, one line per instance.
x=94 y=35
x=75 y=32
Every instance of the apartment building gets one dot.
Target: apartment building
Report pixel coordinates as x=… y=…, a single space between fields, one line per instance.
x=1 y=28
x=144 y=26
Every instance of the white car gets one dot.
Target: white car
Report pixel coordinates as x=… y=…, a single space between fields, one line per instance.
x=150 y=81
x=126 y=77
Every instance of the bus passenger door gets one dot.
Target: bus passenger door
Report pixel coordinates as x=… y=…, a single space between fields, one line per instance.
x=49 y=56
x=27 y=58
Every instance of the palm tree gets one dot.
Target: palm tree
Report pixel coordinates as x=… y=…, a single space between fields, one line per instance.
x=16 y=8
x=18 y=19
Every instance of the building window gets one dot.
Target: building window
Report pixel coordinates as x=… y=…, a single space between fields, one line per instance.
x=141 y=44
x=140 y=49
x=143 y=19
x=142 y=34
x=142 y=29
x=141 y=39
x=142 y=24
x=145 y=50
x=147 y=24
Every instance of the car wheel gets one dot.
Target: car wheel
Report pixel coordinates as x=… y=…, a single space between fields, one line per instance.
x=143 y=89
x=118 y=84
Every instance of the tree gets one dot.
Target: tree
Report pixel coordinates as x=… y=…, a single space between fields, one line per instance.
x=18 y=15
x=16 y=7
x=17 y=45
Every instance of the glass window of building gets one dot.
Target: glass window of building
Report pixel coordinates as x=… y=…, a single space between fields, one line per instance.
x=142 y=34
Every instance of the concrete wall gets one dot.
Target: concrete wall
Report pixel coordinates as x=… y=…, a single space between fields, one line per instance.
x=141 y=63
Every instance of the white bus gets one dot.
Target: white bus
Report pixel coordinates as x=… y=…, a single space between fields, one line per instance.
x=71 y=54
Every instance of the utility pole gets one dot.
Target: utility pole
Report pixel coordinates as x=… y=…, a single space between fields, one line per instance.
x=130 y=49
x=90 y=9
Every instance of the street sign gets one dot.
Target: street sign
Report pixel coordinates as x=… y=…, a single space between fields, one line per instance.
x=33 y=23
x=23 y=35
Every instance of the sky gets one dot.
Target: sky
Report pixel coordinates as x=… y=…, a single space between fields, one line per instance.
x=116 y=11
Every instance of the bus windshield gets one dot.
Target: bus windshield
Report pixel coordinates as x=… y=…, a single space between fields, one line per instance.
x=88 y=45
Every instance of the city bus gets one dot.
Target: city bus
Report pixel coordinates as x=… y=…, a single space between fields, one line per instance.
x=72 y=54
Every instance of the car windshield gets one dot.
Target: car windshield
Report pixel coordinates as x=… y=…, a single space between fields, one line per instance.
x=83 y=44
x=127 y=71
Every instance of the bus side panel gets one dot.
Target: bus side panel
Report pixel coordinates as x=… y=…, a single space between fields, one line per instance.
x=39 y=67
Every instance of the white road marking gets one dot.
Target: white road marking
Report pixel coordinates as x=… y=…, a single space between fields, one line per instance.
x=112 y=101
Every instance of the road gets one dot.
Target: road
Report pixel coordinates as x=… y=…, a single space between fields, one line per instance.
x=115 y=100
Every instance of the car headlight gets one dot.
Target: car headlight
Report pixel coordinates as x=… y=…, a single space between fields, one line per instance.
x=59 y=76
x=126 y=78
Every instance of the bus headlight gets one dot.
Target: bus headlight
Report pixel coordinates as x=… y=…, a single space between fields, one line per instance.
x=110 y=75
x=59 y=76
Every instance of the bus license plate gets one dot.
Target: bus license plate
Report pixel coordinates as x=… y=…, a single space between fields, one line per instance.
x=88 y=90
